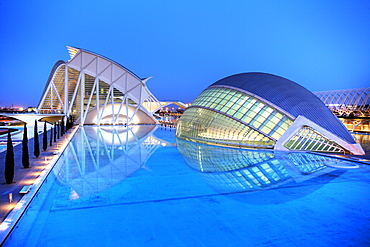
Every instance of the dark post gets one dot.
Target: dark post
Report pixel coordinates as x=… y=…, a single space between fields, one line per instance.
x=58 y=130
x=25 y=155
x=9 y=161
x=62 y=125
x=55 y=132
x=51 y=136
x=36 y=144
x=45 y=138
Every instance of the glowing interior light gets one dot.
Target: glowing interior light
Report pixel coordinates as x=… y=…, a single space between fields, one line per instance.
x=72 y=51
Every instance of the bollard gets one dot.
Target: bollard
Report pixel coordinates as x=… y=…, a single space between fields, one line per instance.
x=10 y=197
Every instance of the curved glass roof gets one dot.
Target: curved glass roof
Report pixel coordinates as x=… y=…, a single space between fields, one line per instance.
x=288 y=95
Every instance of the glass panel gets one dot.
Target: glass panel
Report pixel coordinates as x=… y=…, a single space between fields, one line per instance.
x=208 y=126
x=248 y=117
x=238 y=115
x=231 y=111
x=309 y=139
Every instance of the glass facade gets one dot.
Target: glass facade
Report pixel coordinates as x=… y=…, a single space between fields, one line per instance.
x=309 y=139
x=228 y=116
x=207 y=126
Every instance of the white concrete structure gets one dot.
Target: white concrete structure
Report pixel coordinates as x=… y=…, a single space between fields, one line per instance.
x=93 y=89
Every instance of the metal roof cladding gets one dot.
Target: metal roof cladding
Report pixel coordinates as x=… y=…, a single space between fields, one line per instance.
x=290 y=96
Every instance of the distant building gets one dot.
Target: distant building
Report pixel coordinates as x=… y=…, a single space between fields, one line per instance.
x=352 y=106
x=347 y=102
x=261 y=110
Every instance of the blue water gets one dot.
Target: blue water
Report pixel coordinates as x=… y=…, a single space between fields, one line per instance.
x=138 y=187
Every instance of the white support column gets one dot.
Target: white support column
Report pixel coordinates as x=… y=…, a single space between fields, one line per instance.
x=83 y=155
x=57 y=95
x=89 y=102
x=51 y=98
x=97 y=99
x=42 y=102
x=112 y=102
x=97 y=78
x=65 y=108
x=82 y=95
x=127 y=111
x=75 y=92
x=105 y=105
x=120 y=108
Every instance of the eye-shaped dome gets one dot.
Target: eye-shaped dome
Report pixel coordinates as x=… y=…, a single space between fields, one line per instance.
x=264 y=111
x=289 y=96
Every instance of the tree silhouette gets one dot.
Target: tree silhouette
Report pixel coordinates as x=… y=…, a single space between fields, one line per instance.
x=45 y=138
x=36 y=144
x=9 y=161
x=25 y=155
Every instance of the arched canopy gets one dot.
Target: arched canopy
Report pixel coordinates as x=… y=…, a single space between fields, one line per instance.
x=348 y=100
x=90 y=81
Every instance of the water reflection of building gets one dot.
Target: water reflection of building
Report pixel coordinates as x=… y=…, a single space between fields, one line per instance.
x=236 y=170
x=364 y=140
x=99 y=157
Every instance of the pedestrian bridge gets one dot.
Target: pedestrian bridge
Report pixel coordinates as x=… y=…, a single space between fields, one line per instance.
x=30 y=118
x=179 y=104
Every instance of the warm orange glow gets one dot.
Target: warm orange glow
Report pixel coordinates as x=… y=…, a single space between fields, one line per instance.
x=35 y=174
x=28 y=181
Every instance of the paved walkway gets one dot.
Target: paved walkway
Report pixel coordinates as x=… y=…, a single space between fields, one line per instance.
x=23 y=176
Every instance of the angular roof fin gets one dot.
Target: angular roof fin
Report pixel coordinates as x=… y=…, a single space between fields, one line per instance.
x=146 y=79
x=72 y=51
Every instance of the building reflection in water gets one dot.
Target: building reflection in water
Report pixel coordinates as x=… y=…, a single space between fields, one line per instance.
x=99 y=157
x=236 y=170
x=364 y=140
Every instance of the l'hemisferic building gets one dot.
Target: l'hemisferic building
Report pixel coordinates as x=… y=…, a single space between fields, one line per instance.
x=259 y=110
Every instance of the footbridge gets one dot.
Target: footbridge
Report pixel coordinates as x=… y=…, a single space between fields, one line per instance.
x=178 y=103
x=30 y=118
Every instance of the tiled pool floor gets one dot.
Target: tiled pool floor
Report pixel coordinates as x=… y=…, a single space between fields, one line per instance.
x=165 y=202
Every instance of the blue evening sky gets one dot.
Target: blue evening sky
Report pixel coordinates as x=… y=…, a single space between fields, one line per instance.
x=187 y=45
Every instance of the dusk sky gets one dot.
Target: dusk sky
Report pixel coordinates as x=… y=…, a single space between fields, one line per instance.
x=187 y=45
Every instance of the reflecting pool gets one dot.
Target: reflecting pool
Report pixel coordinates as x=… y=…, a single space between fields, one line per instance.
x=139 y=186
